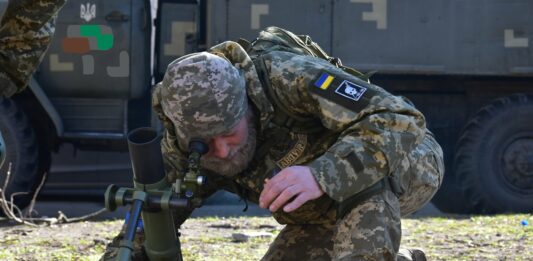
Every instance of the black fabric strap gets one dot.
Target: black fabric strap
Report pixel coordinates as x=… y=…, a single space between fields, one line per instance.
x=347 y=205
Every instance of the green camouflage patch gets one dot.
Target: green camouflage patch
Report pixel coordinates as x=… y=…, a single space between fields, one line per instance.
x=26 y=30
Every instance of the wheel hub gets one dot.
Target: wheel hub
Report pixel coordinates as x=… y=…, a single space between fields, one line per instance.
x=518 y=163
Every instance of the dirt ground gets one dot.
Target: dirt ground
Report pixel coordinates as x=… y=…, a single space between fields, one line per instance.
x=502 y=237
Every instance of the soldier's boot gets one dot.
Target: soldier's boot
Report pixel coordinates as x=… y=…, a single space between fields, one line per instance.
x=112 y=248
x=411 y=254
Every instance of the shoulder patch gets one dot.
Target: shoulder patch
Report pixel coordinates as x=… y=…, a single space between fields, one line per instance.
x=350 y=90
x=344 y=92
x=324 y=81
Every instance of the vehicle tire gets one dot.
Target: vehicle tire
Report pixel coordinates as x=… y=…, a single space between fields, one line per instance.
x=450 y=197
x=494 y=160
x=21 y=152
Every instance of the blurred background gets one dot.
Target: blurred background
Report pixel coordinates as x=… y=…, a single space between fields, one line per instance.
x=467 y=65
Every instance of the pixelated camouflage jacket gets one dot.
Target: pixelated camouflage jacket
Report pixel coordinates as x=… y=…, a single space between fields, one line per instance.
x=26 y=30
x=361 y=141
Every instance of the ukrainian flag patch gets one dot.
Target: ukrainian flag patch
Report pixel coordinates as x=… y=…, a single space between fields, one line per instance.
x=324 y=81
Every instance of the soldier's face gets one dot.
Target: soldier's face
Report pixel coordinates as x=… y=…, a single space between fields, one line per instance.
x=230 y=154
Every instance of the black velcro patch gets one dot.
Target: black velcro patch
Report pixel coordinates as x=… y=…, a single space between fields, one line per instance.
x=338 y=89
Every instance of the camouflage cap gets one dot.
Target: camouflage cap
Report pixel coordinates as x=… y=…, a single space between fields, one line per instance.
x=203 y=95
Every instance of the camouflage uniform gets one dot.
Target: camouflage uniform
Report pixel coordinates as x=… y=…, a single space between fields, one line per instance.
x=25 y=34
x=360 y=143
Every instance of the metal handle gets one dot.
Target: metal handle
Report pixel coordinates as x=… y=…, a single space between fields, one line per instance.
x=116 y=16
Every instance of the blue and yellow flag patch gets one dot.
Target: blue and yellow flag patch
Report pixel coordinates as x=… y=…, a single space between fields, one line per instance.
x=324 y=81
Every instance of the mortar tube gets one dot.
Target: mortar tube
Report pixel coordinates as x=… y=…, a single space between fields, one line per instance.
x=146 y=158
x=161 y=242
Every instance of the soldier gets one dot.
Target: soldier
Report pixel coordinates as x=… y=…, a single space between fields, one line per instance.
x=26 y=30
x=336 y=159
x=340 y=176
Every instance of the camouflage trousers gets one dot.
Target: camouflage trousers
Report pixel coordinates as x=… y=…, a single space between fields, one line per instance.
x=370 y=231
x=26 y=30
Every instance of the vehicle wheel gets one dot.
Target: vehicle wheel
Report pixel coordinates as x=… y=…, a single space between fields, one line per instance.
x=450 y=197
x=494 y=160
x=21 y=151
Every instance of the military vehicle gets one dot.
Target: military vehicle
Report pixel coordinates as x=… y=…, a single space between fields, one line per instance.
x=468 y=65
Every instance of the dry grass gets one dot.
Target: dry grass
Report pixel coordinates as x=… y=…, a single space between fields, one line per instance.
x=500 y=237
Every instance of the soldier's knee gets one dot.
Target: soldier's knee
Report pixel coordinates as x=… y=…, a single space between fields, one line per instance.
x=370 y=231
x=424 y=176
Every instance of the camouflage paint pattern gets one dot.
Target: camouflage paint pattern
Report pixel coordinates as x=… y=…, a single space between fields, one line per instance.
x=423 y=175
x=25 y=34
x=205 y=80
x=371 y=142
x=302 y=242
x=359 y=145
x=240 y=59
x=371 y=231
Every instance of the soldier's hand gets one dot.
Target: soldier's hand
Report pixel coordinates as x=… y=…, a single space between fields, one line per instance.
x=290 y=188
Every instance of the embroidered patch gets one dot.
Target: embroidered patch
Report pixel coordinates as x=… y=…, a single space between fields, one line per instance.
x=350 y=90
x=295 y=152
x=342 y=90
x=324 y=81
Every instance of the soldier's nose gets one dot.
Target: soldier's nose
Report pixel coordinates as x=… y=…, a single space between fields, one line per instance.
x=220 y=148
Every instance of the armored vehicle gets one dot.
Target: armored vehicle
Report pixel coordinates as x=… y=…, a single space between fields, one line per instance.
x=468 y=65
